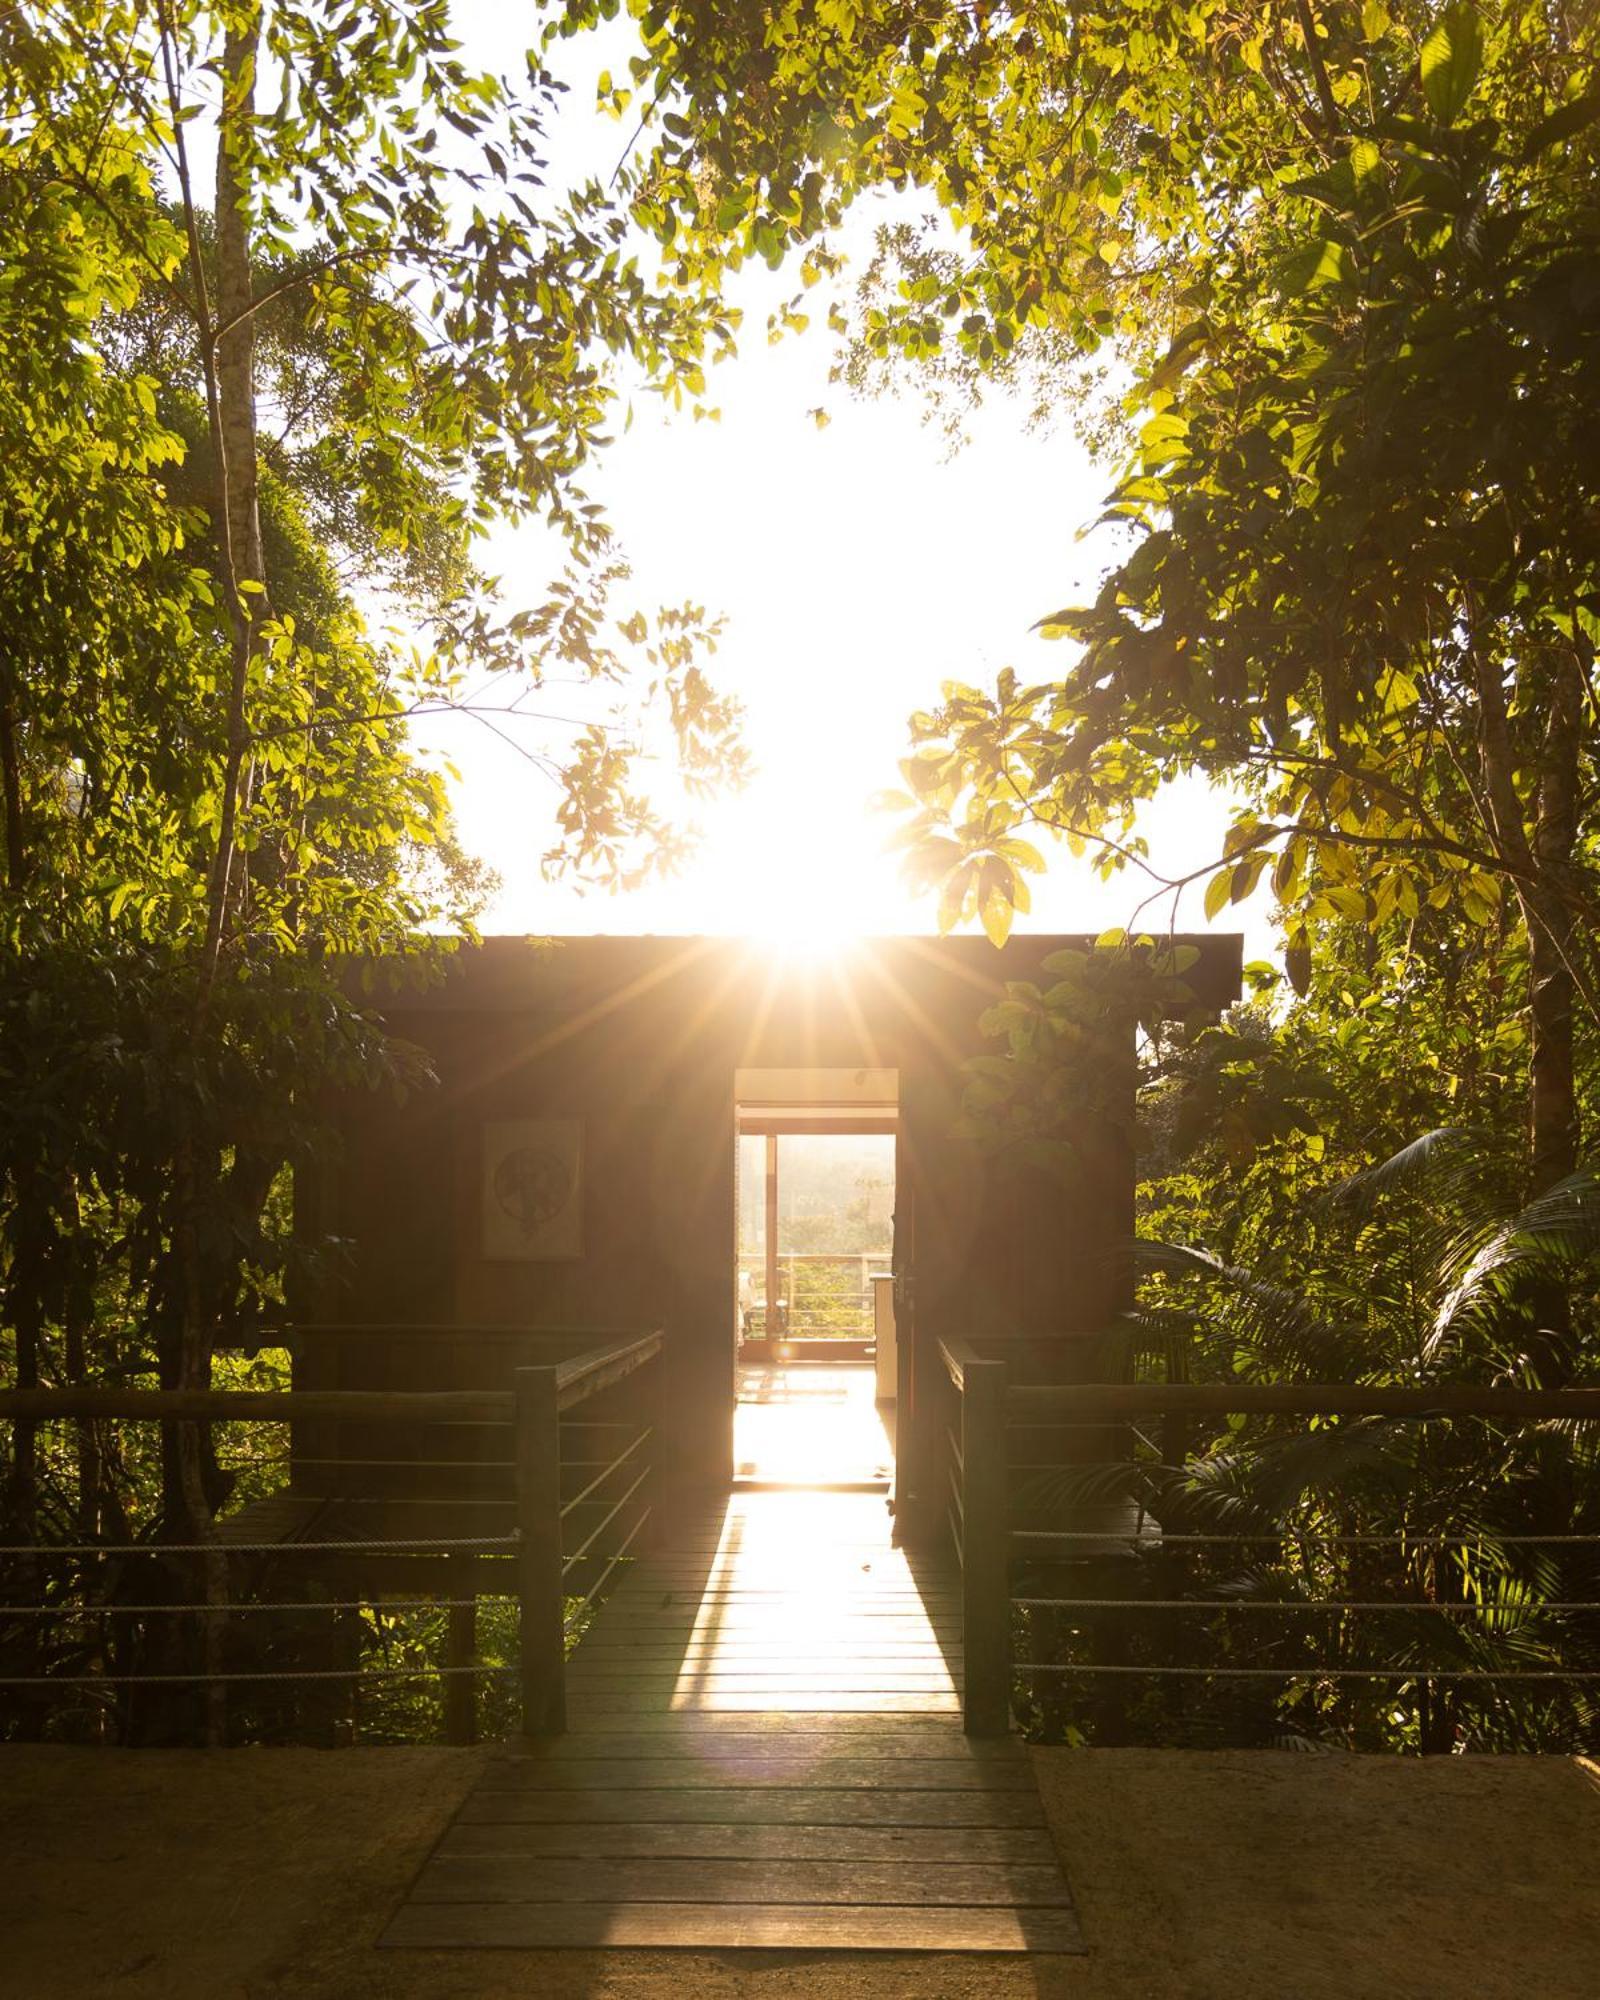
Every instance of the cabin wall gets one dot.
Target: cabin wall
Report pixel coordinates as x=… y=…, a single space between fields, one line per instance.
x=639 y=1040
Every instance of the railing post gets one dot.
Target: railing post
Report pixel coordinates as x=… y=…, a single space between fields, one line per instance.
x=542 y=1648
x=461 y=1648
x=986 y=1552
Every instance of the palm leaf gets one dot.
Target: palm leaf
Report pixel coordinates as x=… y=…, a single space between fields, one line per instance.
x=1452 y=1162
x=1283 y=1328
x=1557 y=1234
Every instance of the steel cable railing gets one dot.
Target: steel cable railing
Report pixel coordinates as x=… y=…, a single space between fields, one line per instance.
x=88 y=1640
x=1098 y=1602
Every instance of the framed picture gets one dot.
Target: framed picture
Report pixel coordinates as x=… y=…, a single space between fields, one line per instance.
x=532 y=1192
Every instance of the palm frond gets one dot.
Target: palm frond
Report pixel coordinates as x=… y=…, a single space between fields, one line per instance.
x=1452 y=1162
x=1281 y=1325
x=1068 y=1490
x=1281 y=1473
x=1556 y=1234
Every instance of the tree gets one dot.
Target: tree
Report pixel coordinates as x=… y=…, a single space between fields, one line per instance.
x=1346 y=255
x=385 y=336
x=1363 y=583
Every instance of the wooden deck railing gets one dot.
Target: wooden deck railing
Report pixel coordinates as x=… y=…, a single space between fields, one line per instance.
x=975 y=1475
x=965 y=1443
x=570 y=1498
x=558 y=1545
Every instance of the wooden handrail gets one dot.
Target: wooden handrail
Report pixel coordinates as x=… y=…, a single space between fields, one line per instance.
x=1295 y=1399
x=957 y=1355
x=542 y=1394
x=471 y=1406
x=439 y=1330
x=578 y=1378
x=585 y=1375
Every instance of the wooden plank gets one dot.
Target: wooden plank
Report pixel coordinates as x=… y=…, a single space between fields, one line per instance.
x=627 y=1614
x=873 y=1559
x=757 y=1655
x=605 y=1841
x=711 y=1926
x=581 y=1707
x=866 y=1563
x=737 y=1737
x=656 y=1656
x=522 y=1878
x=841 y=1630
x=681 y=1596
x=754 y=1805
x=776 y=1682
x=772 y=1769
x=629 y=1599
x=757 y=1568
x=688 y=1724
x=774 y=1659
x=761 y=1585
x=768 y=1687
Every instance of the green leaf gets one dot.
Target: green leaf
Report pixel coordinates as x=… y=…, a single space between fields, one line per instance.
x=1563 y=124
x=997 y=914
x=1452 y=56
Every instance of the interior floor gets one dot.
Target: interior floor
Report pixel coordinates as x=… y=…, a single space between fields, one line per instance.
x=811 y=1424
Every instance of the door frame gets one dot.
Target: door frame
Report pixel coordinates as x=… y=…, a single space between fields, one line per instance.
x=777 y=1122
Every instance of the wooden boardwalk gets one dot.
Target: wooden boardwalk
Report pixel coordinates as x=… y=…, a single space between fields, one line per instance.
x=764 y=1749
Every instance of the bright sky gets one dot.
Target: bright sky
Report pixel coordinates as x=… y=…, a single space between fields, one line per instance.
x=857 y=567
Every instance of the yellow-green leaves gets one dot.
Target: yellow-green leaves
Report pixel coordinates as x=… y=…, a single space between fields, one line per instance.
x=1450 y=61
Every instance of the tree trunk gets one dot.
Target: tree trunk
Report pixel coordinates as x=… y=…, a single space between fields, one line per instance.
x=11 y=787
x=1541 y=868
x=235 y=339
x=1553 y=937
x=227 y=349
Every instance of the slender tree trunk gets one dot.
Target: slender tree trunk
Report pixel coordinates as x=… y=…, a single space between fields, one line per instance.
x=77 y=1320
x=227 y=344
x=226 y=341
x=1541 y=869
x=11 y=785
x=1553 y=940
x=21 y=1500
x=236 y=339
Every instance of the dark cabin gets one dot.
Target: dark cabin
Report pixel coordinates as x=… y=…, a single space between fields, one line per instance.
x=575 y=1167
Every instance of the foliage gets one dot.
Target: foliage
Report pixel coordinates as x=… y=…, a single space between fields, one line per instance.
x=234 y=437
x=1346 y=256
x=1418 y=1274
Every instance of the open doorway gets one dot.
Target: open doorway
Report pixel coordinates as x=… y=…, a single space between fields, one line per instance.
x=813 y=1306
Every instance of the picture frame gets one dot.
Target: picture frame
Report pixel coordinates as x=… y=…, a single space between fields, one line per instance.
x=531 y=1189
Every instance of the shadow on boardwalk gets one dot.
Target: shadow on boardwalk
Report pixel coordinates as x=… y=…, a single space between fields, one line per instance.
x=260 y=1875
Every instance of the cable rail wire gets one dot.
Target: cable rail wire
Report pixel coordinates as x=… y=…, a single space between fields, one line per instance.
x=105 y=1609
x=961 y=1452
x=365 y=1545
x=534 y=1410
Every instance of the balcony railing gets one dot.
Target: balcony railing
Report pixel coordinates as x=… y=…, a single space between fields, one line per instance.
x=822 y=1294
x=1116 y=1597
x=559 y=1471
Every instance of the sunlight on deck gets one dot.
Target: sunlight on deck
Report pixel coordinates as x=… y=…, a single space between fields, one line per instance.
x=810 y=1425
x=805 y=1602
x=764 y=1745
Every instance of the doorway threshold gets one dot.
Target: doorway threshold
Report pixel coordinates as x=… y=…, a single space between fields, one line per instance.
x=809 y=1427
